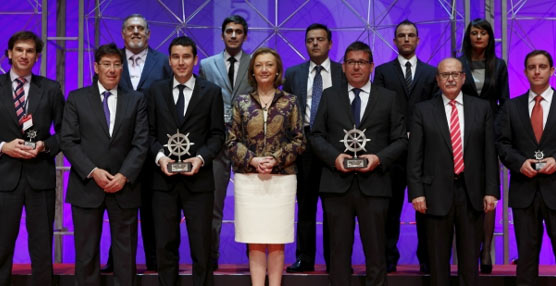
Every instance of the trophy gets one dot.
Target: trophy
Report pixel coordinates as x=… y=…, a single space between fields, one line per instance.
x=355 y=141
x=539 y=155
x=31 y=134
x=178 y=145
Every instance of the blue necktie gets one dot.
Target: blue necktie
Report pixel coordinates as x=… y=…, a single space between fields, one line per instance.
x=106 y=94
x=317 y=93
x=356 y=106
x=180 y=105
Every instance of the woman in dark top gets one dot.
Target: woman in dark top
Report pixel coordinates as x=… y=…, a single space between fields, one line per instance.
x=486 y=76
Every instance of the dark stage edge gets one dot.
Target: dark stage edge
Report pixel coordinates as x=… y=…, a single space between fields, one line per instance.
x=231 y=275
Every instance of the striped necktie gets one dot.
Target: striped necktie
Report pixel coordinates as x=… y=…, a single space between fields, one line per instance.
x=455 y=136
x=19 y=99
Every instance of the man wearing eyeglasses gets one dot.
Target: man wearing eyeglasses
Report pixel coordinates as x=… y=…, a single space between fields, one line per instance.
x=361 y=192
x=104 y=137
x=414 y=81
x=453 y=173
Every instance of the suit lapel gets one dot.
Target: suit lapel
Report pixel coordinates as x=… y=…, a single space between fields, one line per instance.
x=223 y=71
x=196 y=96
x=441 y=120
x=344 y=100
x=241 y=72
x=525 y=119
x=125 y=72
x=302 y=82
x=336 y=70
x=550 y=121
x=418 y=75
x=147 y=67
x=371 y=103
x=6 y=97
x=35 y=95
x=169 y=99
x=121 y=108
x=468 y=119
x=399 y=74
x=96 y=106
x=469 y=77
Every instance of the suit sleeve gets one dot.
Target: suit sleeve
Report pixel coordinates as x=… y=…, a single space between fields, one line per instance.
x=492 y=180
x=288 y=80
x=319 y=133
x=509 y=156
x=216 y=133
x=133 y=163
x=286 y=155
x=415 y=158
x=53 y=142
x=398 y=135
x=71 y=139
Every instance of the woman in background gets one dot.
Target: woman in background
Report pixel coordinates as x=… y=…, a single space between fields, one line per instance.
x=265 y=138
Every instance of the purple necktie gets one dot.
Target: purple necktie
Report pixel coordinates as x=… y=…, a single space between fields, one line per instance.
x=106 y=94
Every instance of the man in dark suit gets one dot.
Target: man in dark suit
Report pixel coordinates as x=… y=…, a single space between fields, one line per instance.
x=362 y=192
x=228 y=70
x=105 y=138
x=413 y=81
x=142 y=66
x=192 y=106
x=29 y=105
x=452 y=173
x=525 y=137
x=307 y=81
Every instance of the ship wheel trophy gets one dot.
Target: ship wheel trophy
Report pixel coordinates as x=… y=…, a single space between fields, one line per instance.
x=178 y=145
x=539 y=156
x=355 y=141
x=31 y=134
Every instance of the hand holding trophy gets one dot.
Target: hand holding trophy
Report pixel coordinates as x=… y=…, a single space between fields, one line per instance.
x=355 y=141
x=179 y=145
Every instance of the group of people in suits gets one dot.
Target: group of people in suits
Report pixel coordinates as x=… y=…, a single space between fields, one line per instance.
x=437 y=131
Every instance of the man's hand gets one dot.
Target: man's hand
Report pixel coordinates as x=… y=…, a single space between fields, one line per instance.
x=527 y=168
x=550 y=166
x=339 y=163
x=163 y=162
x=39 y=147
x=17 y=149
x=372 y=163
x=116 y=184
x=489 y=203
x=196 y=164
x=420 y=204
x=102 y=177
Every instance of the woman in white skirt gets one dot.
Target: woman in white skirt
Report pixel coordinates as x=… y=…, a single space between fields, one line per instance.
x=263 y=142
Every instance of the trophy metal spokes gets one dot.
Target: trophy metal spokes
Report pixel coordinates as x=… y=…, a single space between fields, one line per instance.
x=355 y=141
x=31 y=134
x=539 y=156
x=179 y=145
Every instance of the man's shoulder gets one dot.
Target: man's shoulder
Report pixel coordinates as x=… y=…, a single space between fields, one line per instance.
x=206 y=84
x=156 y=54
x=386 y=65
x=44 y=82
x=297 y=68
x=212 y=58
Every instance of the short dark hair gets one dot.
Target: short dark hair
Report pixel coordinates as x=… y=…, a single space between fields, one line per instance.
x=136 y=16
x=279 y=67
x=359 y=46
x=24 y=36
x=235 y=19
x=108 y=49
x=406 y=22
x=183 y=41
x=539 y=52
x=319 y=26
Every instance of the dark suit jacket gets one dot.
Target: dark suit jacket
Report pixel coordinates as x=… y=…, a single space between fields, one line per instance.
x=156 y=68
x=497 y=92
x=430 y=163
x=87 y=144
x=389 y=75
x=295 y=82
x=46 y=105
x=515 y=142
x=382 y=123
x=204 y=121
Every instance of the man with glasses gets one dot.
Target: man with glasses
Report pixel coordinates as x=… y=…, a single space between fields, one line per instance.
x=453 y=173
x=105 y=138
x=363 y=191
x=413 y=81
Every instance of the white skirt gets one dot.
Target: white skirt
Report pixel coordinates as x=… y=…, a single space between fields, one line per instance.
x=264 y=208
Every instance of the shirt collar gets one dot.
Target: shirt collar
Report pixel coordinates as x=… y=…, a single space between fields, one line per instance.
x=325 y=65
x=189 y=83
x=458 y=99
x=237 y=56
x=546 y=94
x=14 y=76
x=101 y=89
x=142 y=54
x=412 y=60
x=366 y=88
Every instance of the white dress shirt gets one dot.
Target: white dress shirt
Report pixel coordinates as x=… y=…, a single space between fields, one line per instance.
x=236 y=63
x=545 y=103
x=363 y=95
x=112 y=104
x=412 y=60
x=326 y=76
x=135 y=67
x=448 y=109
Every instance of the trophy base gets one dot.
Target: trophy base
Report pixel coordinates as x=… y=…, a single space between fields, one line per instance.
x=539 y=165
x=356 y=163
x=30 y=144
x=179 y=167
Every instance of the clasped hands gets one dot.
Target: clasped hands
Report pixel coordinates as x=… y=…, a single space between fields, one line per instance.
x=108 y=182
x=373 y=162
x=263 y=165
x=17 y=149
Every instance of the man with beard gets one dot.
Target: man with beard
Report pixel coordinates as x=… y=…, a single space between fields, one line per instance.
x=413 y=81
x=142 y=66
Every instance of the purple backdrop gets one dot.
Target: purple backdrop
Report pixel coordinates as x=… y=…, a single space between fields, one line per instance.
x=281 y=25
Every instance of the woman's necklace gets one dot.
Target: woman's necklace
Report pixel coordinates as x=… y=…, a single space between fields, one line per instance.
x=265 y=106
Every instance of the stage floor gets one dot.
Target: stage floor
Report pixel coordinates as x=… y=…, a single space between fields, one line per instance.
x=231 y=275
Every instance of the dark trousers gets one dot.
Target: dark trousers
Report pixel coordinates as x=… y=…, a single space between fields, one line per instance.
x=87 y=224
x=39 y=212
x=341 y=210
x=529 y=234
x=467 y=223
x=221 y=166
x=197 y=209
x=309 y=169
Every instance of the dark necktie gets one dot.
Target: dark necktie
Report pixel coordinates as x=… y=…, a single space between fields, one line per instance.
x=180 y=105
x=106 y=94
x=408 y=77
x=19 y=99
x=231 y=71
x=317 y=93
x=536 y=118
x=356 y=106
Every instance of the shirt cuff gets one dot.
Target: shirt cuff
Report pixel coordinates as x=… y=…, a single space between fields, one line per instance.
x=1 y=145
x=202 y=160
x=159 y=155
x=91 y=173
